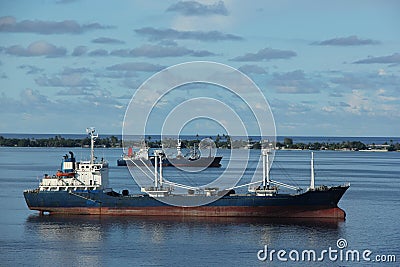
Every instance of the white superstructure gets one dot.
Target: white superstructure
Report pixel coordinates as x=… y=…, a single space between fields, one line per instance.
x=83 y=175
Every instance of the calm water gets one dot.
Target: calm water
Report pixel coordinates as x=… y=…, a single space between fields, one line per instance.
x=372 y=205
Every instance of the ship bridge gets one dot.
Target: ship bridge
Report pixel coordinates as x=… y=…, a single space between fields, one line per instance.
x=83 y=175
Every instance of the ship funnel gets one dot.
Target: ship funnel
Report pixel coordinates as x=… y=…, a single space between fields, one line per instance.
x=68 y=164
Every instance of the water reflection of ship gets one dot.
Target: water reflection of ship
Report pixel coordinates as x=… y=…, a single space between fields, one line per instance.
x=192 y=159
x=95 y=221
x=123 y=240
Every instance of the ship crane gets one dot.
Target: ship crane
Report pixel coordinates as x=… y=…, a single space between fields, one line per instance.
x=158 y=190
x=268 y=186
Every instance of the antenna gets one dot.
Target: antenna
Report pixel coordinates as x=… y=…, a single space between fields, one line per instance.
x=312 y=183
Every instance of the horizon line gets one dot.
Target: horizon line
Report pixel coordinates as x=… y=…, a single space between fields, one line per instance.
x=120 y=134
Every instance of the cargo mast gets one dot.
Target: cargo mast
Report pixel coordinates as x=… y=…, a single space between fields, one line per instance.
x=93 y=137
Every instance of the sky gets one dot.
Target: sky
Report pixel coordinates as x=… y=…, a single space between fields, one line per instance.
x=326 y=68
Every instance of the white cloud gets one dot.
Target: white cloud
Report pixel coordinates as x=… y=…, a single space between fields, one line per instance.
x=296 y=82
x=39 y=48
x=33 y=97
x=66 y=80
x=252 y=69
x=10 y=24
x=382 y=95
x=381 y=72
x=154 y=34
x=156 y=51
x=348 y=41
x=358 y=103
x=136 y=66
x=266 y=54
x=328 y=109
x=391 y=59
x=194 y=8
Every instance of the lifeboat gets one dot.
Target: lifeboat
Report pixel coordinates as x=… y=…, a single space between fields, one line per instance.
x=65 y=174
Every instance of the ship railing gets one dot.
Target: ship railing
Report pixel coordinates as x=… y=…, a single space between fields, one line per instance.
x=272 y=182
x=286 y=185
x=244 y=185
x=180 y=185
x=32 y=190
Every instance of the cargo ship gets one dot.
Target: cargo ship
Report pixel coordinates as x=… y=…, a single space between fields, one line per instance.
x=81 y=188
x=193 y=160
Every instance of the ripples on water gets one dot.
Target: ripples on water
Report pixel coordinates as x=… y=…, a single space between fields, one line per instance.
x=372 y=205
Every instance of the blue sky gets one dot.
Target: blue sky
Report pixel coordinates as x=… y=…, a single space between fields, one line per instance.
x=328 y=68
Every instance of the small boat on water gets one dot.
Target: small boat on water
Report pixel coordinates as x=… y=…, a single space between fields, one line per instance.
x=87 y=192
x=194 y=159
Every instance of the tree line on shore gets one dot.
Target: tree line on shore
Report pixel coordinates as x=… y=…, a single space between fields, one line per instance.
x=59 y=141
x=220 y=142
x=345 y=145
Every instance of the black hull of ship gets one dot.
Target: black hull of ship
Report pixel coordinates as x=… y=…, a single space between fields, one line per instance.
x=209 y=162
x=320 y=203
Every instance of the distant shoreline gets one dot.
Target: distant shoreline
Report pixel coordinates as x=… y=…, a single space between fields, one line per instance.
x=280 y=138
x=220 y=141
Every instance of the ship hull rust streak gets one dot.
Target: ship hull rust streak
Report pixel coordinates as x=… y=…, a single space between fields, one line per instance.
x=270 y=212
x=311 y=204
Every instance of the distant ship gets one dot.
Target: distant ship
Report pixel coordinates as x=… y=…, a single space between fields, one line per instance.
x=82 y=188
x=193 y=160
